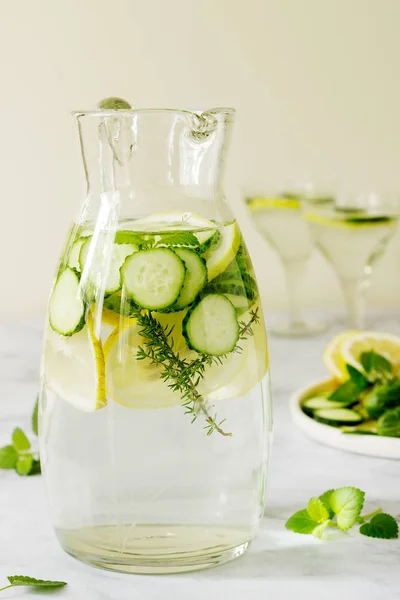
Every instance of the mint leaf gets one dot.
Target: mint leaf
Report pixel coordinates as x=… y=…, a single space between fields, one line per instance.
x=35 y=417
x=389 y=423
x=317 y=510
x=114 y=103
x=347 y=392
x=24 y=464
x=359 y=380
x=301 y=522
x=382 y=526
x=325 y=499
x=178 y=238
x=20 y=441
x=31 y=581
x=347 y=503
x=8 y=457
x=376 y=365
x=319 y=530
x=128 y=237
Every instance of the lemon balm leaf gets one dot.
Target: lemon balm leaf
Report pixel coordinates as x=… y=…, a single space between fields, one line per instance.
x=301 y=522
x=325 y=499
x=382 y=526
x=24 y=464
x=23 y=580
x=359 y=380
x=8 y=457
x=317 y=510
x=35 y=417
x=114 y=103
x=20 y=441
x=347 y=503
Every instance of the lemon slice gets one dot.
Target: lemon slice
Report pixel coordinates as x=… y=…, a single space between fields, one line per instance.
x=350 y=223
x=333 y=355
x=219 y=256
x=74 y=368
x=137 y=383
x=382 y=343
x=255 y=204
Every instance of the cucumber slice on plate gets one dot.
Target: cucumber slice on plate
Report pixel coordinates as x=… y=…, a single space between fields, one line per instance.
x=220 y=255
x=318 y=402
x=211 y=326
x=338 y=416
x=195 y=277
x=67 y=309
x=153 y=278
x=119 y=254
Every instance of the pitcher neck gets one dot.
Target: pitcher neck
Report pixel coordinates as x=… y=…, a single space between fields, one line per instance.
x=154 y=156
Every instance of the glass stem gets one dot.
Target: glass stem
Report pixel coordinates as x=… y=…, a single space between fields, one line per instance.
x=354 y=297
x=294 y=271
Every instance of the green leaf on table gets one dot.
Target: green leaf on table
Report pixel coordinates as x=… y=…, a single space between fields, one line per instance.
x=36 y=467
x=347 y=392
x=24 y=464
x=20 y=441
x=347 y=503
x=317 y=510
x=325 y=499
x=301 y=522
x=375 y=364
x=8 y=457
x=35 y=417
x=178 y=238
x=18 y=580
x=357 y=377
x=382 y=526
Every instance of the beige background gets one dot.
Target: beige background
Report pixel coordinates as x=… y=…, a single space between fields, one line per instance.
x=315 y=83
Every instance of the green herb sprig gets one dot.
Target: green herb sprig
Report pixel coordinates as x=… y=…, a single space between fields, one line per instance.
x=180 y=374
x=341 y=508
x=19 y=454
x=23 y=580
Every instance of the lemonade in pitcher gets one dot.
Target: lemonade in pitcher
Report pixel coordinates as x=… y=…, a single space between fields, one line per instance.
x=155 y=407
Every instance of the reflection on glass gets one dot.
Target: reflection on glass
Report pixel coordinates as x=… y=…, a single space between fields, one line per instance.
x=352 y=232
x=280 y=222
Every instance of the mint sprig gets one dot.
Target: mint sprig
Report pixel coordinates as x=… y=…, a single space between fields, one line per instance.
x=19 y=455
x=382 y=526
x=341 y=508
x=23 y=580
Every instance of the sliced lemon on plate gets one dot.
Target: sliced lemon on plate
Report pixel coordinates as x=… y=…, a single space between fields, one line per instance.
x=386 y=344
x=333 y=358
x=74 y=367
x=138 y=384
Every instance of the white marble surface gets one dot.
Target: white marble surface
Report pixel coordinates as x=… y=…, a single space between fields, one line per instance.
x=279 y=564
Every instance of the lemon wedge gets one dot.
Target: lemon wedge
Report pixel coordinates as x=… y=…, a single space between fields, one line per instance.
x=74 y=367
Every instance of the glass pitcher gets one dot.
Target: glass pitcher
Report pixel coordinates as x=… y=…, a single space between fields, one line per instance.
x=155 y=414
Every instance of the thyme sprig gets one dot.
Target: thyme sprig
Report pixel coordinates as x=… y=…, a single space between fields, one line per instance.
x=180 y=374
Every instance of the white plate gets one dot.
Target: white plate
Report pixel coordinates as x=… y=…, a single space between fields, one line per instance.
x=370 y=445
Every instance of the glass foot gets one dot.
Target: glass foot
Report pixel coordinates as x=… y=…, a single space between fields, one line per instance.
x=298 y=329
x=155 y=549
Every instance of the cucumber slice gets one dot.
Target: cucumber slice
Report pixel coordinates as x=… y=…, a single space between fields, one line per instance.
x=236 y=288
x=318 y=402
x=237 y=277
x=119 y=254
x=67 y=309
x=73 y=259
x=195 y=277
x=337 y=416
x=221 y=254
x=153 y=278
x=211 y=326
x=115 y=304
x=206 y=239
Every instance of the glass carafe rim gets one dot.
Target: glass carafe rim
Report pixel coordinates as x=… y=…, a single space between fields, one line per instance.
x=222 y=110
